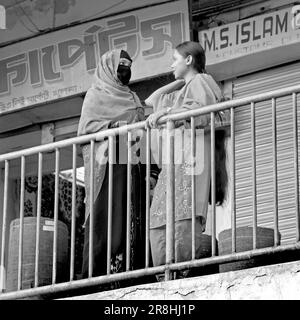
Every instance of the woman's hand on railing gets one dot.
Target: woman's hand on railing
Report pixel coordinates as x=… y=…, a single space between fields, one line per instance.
x=153 y=118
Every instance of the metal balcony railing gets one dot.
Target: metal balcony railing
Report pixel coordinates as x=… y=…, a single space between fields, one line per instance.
x=170 y=265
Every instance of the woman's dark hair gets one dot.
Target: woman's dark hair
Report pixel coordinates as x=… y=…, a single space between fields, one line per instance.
x=196 y=51
x=220 y=165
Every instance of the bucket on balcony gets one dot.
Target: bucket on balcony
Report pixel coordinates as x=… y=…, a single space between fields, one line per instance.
x=244 y=242
x=204 y=251
x=45 y=253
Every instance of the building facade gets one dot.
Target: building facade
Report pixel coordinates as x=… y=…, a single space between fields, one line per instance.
x=252 y=47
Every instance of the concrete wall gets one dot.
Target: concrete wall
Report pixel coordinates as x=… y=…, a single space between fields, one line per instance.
x=276 y=282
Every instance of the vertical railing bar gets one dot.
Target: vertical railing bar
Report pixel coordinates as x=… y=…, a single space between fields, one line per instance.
x=22 y=195
x=170 y=199
x=91 y=213
x=4 y=224
x=254 y=197
x=56 y=201
x=38 y=219
x=148 y=167
x=233 y=206
x=73 y=219
x=296 y=166
x=110 y=202
x=193 y=164
x=213 y=185
x=128 y=222
x=274 y=149
x=160 y=146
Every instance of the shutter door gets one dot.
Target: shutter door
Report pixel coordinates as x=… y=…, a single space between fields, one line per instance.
x=261 y=82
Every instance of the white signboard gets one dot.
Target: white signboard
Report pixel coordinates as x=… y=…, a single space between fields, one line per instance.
x=250 y=36
x=62 y=63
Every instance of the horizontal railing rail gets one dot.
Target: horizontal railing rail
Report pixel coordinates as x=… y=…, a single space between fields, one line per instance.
x=95 y=281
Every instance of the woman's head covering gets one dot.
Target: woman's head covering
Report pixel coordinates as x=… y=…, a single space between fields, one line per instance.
x=107 y=101
x=124 y=54
x=124 y=70
x=106 y=72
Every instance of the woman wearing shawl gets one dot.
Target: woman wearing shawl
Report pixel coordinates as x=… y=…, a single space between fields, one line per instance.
x=193 y=88
x=107 y=104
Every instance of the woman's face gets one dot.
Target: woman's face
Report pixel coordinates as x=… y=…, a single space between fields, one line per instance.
x=179 y=65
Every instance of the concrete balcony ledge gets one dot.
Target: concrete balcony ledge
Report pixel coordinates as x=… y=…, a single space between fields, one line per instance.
x=273 y=282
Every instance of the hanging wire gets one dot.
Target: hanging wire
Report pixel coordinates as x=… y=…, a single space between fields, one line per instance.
x=54 y=9
x=102 y=11
x=22 y=22
x=18 y=4
x=9 y=6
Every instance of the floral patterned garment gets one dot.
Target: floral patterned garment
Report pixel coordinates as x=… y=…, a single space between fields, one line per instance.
x=183 y=186
x=199 y=92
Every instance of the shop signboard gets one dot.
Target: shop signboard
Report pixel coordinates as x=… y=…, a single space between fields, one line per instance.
x=62 y=63
x=250 y=37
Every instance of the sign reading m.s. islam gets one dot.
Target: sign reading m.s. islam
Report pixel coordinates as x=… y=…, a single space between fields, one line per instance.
x=252 y=37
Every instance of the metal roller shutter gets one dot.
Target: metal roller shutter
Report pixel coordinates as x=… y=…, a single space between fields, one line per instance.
x=261 y=82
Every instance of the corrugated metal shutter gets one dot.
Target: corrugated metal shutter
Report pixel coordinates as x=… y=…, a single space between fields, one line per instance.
x=260 y=82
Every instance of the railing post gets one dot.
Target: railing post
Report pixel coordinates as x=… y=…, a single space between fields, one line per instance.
x=4 y=224
x=110 y=200
x=91 y=213
x=148 y=167
x=56 y=203
x=160 y=145
x=73 y=219
x=254 y=191
x=213 y=185
x=274 y=142
x=38 y=219
x=295 y=129
x=128 y=202
x=21 y=225
x=193 y=189
x=233 y=206
x=170 y=203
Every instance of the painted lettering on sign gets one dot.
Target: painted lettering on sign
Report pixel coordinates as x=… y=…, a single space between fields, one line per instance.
x=251 y=35
x=62 y=63
x=48 y=63
x=244 y=33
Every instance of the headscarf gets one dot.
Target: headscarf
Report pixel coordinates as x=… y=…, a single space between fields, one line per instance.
x=107 y=101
